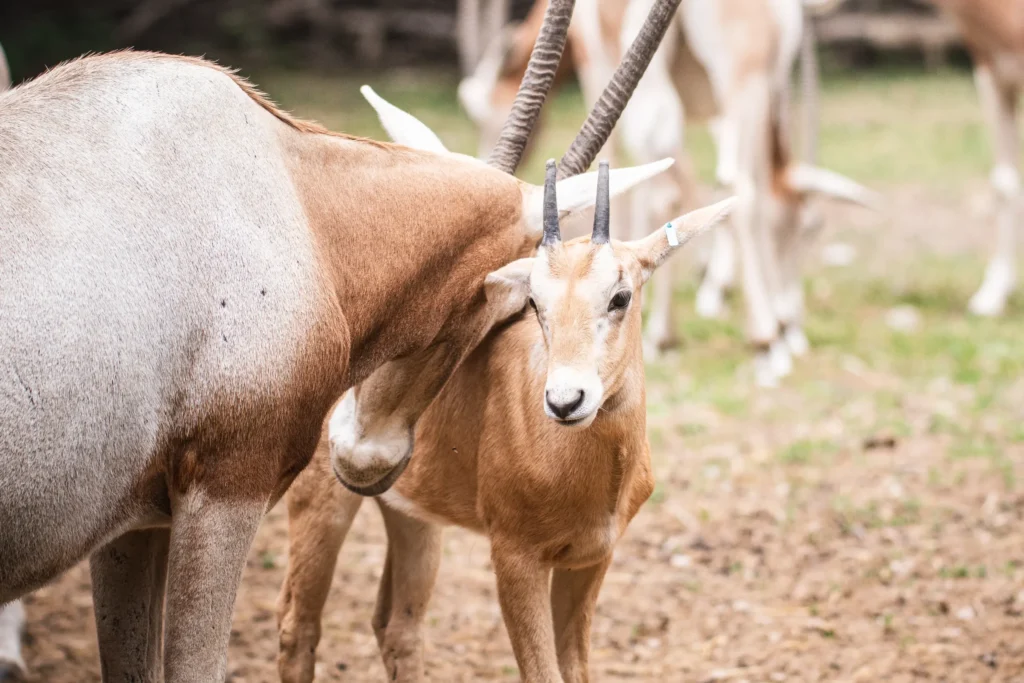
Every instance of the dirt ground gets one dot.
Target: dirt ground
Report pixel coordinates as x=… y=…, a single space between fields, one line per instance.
x=857 y=524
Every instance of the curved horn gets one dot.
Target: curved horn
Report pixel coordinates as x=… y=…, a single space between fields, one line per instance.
x=540 y=74
x=552 y=235
x=606 y=112
x=602 y=211
x=5 y=71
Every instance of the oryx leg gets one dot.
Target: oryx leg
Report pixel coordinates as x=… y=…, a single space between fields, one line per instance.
x=720 y=273
x=999 y=103
x=12 y=625
x=410 y=570
x=129 y=578
x=755 y=238
x=573 y=599
x=652 y=128
x=210 y=538
x=800 y=223
x=524 y=592
x=320 y=514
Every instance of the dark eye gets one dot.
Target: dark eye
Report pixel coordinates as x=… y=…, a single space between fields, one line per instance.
x=533 y=304
x=620 y=301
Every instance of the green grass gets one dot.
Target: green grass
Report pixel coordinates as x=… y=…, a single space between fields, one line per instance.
x=882 y=128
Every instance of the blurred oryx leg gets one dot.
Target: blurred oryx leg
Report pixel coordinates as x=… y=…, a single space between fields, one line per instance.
x=12 y=625
x=999 y=102
x=720 y=274
x=652 y=128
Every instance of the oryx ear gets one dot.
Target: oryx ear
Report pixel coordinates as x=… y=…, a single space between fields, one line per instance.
x=807 y=179
x=404 y=128
x=580 y=192
x=652 y=250
x=508 y=288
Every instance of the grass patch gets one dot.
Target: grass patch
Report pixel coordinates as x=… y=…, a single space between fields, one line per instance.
x=805 y=451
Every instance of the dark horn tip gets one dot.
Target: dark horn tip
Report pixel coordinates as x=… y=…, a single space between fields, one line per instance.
x=552 y=234
x=602 y=207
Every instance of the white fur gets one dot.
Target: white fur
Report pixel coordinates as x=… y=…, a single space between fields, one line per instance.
x=404 y=128
x=804 y=178
x=12 y=624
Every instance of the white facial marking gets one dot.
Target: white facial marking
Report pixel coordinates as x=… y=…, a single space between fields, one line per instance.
x=574 y=390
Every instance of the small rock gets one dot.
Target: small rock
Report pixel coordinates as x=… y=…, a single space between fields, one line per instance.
x=989 y=660
x=680 y=561
x=903 y=318
x=902 y=568
x=965 y=613
x=879 y=442
x=951 y=633
x=778 y=676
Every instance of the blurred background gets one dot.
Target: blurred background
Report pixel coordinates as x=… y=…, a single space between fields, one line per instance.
x=368 y=34
x=862 y=522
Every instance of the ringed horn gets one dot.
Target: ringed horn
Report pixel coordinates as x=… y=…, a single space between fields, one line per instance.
x=540 y=74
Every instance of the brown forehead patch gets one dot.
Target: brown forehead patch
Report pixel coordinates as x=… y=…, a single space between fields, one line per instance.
x=571 y=261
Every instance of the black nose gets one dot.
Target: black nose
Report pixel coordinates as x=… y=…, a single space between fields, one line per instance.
x=564 y=410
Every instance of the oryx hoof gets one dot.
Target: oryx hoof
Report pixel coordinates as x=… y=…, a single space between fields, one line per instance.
x=988 y=302
x=796 y=340
x=990 y=299
x=764 y=374
x=772 y=362
x=710 y=301
x=781 y=359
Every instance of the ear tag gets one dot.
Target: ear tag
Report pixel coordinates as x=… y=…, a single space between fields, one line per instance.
x=670 y=232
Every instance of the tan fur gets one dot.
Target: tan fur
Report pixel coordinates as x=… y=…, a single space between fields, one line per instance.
x=990 y=27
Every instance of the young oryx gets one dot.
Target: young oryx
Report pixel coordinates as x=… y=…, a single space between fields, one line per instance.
x=729 y=61
x=538 y=441
x=190 y=278
x=993 y=31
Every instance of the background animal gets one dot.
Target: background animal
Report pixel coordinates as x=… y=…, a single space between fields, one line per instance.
x=730 y=62
x=994 y=34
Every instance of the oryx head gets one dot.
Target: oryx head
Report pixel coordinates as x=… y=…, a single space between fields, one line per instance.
x=586 y=296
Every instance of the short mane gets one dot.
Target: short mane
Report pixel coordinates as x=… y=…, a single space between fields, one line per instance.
x=254 y=93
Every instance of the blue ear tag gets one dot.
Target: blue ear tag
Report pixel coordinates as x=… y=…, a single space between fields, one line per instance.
x=670 y=232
